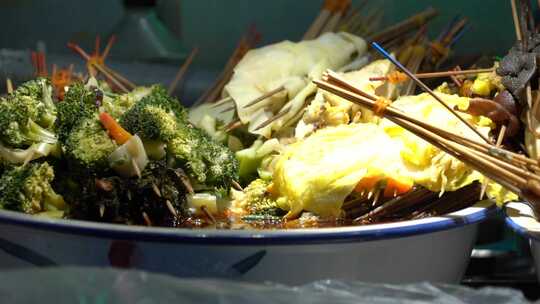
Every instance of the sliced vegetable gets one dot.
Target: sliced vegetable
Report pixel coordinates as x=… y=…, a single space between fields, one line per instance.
x=119 y=134
x=200 y=200
x=129 y=159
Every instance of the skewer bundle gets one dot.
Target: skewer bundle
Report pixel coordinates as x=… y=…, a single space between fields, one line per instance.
x=515 y=172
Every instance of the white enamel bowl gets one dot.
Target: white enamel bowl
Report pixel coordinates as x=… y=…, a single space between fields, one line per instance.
x=519 y=217
x=433 y=249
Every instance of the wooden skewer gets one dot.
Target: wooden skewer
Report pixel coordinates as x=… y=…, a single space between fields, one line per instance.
x=315 y=28
x=427 y=89
x=264 y=96
x=413 y=123
x=136 y=167
x=121 y=78
x=110 y=77
x=228 y=109
x=182 y=71
x=208 y=214
x=222 y=102
x=516 y=20
x=171 y=208
x=107 y=49
x=146 y=219
x=486 y=148
x=236 y=185
x=498 y=144
x=233 y=125
x=101 y=210
x=404 y=26
x=9 y=85
x=481 y=162
x=436 y=74
x=156 y=190
x=339 y=10
x=282 y=113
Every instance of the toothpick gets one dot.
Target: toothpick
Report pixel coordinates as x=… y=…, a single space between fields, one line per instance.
x=282 y=113
x=236 y=185
x=146 y=219
x=101 y=210
x=136 y=167
x=9 y=85
x=517 y=27
x=500 y=138
x=171 y=208
x=222 y=102
x=264 y=96
x=182 y=71
x=156 y=190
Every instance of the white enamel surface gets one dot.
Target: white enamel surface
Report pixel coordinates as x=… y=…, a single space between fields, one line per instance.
x=437 y=256
x=440 y=256
x=522 y=217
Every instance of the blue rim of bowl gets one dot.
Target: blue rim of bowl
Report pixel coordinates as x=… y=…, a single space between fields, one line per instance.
x=524 y=232
x=350 y=234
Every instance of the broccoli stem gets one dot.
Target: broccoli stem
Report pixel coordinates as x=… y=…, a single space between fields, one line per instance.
x=39 y=134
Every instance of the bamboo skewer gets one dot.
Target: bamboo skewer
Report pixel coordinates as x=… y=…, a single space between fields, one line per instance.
x=170 y=207
x=110 y=77
x=340 y=8
x=486 y=148
x=146 y=219
x=434 y=74
x=404 y=26
x=282 y=113
x=488 y=165
x=228 y=109
x=426 y=89
x=182 y=71
x=265 y=96
x=319 y=22
x=9 y=85
x=497 y=144
x=121 y=78
x=222 y=102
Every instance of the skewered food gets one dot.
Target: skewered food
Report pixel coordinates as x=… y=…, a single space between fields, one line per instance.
x=290 y=66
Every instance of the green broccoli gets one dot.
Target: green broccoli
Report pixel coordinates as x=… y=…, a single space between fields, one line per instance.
x=150 y=122
x=79 y=104
x=28 y=189
x=38 y=92
x=119 y=104
x=258 y=202
x=84 y=141
x=158 y=117
x=27 y=115
x=89 y=146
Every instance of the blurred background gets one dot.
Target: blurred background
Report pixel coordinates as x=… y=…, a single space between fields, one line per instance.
x=161 y=33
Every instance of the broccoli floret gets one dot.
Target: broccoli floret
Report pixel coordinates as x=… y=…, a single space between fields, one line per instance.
x=38 y=92
x=158 y=117
x=119 y=104
x=257 y=200
x=208 y=161
x=88 y=146
x=150 y=122
x=158 y=97
x=79 y=104
x=84 y=141
x=17 y=128
x=28 y=189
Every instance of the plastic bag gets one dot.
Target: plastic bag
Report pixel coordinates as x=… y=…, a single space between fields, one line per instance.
x=92 y=285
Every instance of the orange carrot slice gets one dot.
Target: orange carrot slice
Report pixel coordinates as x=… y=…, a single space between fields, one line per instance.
x=119 y=134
